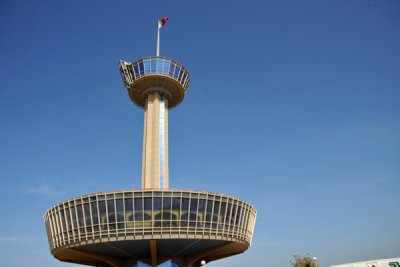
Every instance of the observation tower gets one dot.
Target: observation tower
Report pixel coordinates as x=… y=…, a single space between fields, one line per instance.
x=154 y=225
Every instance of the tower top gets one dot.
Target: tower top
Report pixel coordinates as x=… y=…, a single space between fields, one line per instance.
x=155 y=74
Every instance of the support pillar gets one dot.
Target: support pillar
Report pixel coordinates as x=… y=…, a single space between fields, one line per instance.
x=153 y=251
x=155 y=143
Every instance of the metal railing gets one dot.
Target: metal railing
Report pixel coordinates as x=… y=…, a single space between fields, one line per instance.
x=142 y=214
x=133 y=71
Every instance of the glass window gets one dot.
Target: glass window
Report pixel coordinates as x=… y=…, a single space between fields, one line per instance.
x=238 y=215
x=185 y=204
x=159 y=66
x=141 y=68
x=167 y=64
x=120 y=213
x=180 y=75
x=192 y=217
x=88 y=219
x=169 y=216
x=111 y=210
x=193 y=205
x=176 y=73
x=222 y=212
x=138 y=209
x=201 y=211
x=136 y=69
x=147 y=66
x=176 y=205
x=63 y=220
x=68 y=218
x=130 y=71
x=183 y=78
x=153 y=66
x=129 y=209
x=120 y=210
x=171 y=69
x=95 y=216
x=167 y=207
x=157 y=203
x=193 y=211
x=209 y=210
x=233 y=216
x=228 y=215
x=80 y=215
x=147 y=204
x=185 y=83
x=216 y=211
x=138 y=216
x=102 y=210
x=184 y=216
x=146 y=217
x=73 y=215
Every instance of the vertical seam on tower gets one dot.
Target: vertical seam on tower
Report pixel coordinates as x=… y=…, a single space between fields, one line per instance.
x=162 y=144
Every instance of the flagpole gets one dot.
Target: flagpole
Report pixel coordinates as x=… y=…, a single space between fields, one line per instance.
x=158 y=38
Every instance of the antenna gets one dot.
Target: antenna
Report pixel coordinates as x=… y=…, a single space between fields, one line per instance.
x=160 y=24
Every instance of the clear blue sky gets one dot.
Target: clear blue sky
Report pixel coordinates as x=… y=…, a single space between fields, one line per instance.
x=293 y=106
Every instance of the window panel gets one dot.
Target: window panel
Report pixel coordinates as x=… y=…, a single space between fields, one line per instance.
x=183 y=78
x=159 y=66
x=80 y=215
x=180 y=75
x=147 y=66
x=239 y=214
x=166 y=68
x=74 y=225
x=153 y=66
x=228 y=215
x=136 y=69
x=193 y=205
x=222 y=212
x=176 y=73
x=111 y=210
x=202 y=207
x=129 y=209
x=216 y=211
x=88 y=219
x=147 y=204
x=157 y=203
x=209 y=210
x=102 y=210
x=176 y=205
x=141 y=67
x=167 y=208
x=63 y=220
x=185 y=205
x=138 y=209
x=120 y=213
x=172 y=69
x=68 y=218
x=95 y=216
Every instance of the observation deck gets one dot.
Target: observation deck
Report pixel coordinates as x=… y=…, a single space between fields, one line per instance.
x=121 y=227
x=155 y=74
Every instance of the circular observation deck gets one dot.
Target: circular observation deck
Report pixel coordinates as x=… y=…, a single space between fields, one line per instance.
x=155 y=74
x=121 y=227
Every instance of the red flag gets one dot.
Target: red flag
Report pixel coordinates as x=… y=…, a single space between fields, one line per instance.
x=162 y=22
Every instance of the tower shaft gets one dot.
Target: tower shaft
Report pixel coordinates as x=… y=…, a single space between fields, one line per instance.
x=155 y=143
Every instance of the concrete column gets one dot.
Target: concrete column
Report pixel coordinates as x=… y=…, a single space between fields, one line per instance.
x=155 y=143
